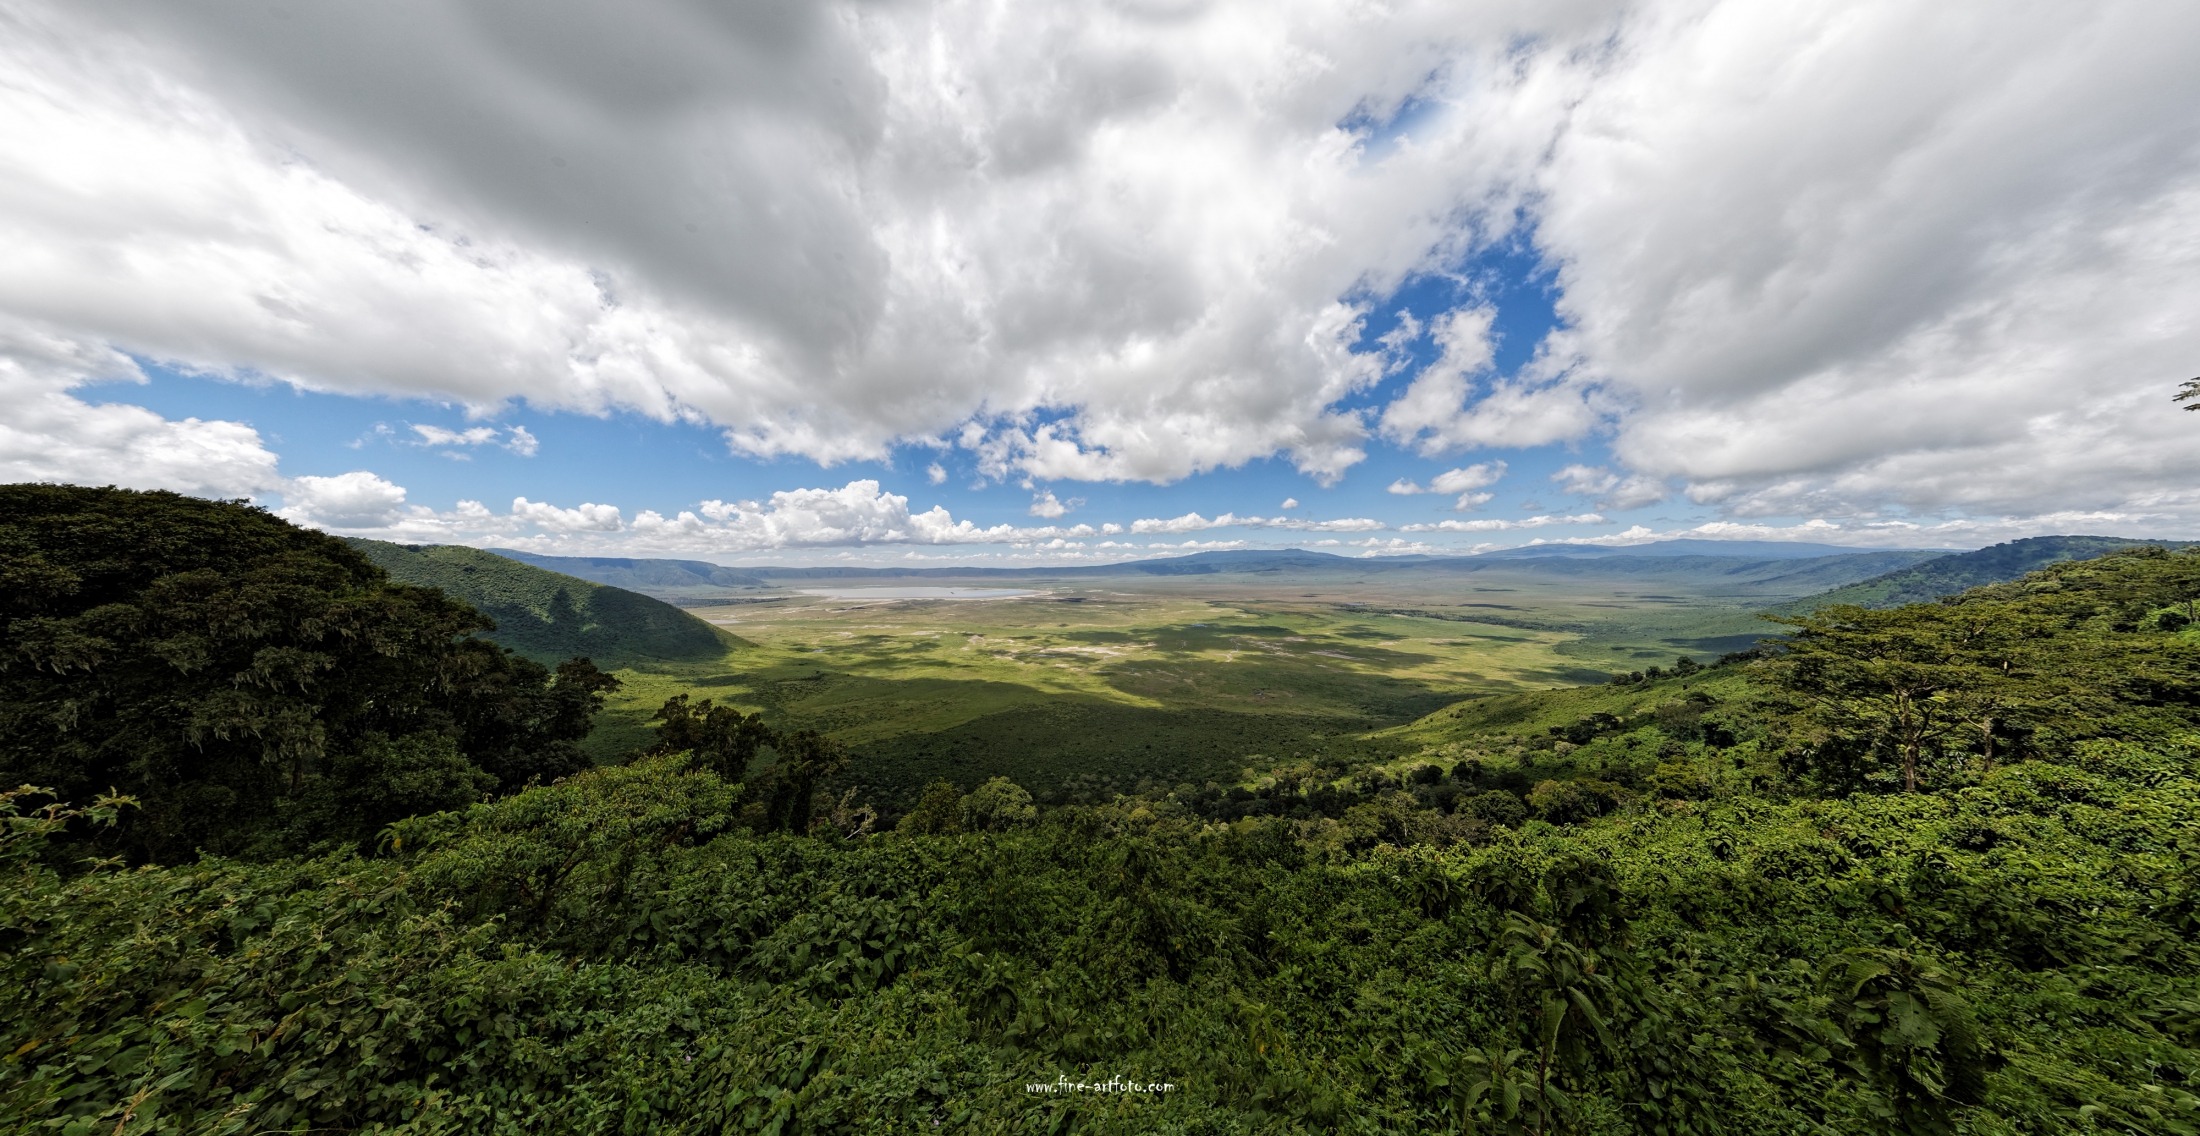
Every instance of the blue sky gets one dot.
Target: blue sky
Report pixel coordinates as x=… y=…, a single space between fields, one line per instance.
x=636 y=462
x=1847 y=271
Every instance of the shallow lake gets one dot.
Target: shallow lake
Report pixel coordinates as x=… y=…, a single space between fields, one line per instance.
x=917 y=593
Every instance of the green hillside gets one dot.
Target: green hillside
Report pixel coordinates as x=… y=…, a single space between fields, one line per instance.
x=550 y=617
x=1999 y=564
x=637 y=575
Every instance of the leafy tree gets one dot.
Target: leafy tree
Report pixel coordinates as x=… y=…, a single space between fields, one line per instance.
x=938 y=811
x=807 y=760
x=1569 y=802
x=1898 y=687
x=2189 y=394
x=382 y=780
x=997 y=806
x=1495 y=807
x=722 y=739
x=524 y=723
x=2067 y=653
x=213 y=660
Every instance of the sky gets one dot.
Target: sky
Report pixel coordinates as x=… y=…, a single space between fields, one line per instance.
x=896 y=281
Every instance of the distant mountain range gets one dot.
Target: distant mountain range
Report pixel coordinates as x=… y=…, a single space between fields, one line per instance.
x=643 y=573
x=1755 y=549
x=623 y=572
x=1773 y=569
x=1777 y=571
x=549 y=616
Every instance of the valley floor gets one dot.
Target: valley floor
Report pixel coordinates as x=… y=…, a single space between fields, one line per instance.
x=1086 y=687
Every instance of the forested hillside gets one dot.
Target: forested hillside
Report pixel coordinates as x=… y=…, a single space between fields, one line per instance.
x=637 y=574
x=1933 y=869
x=256 y=687
x=546 y=615
x=1956 y=572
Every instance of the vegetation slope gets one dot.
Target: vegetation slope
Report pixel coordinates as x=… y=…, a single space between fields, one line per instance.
x=1928 y=870
x=547 y=615
x=638 y=574
x=1956 y=572
x=256 y=687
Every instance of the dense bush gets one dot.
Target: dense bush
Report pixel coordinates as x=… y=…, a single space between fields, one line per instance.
x=1937 y=872
x=247 y=680
x=604 y=955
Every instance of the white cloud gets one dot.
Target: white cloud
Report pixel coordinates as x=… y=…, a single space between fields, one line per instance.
x=1289 y=503
x=1813 y=259
x=823 y=229
x=1612 y=490
x=438 y=436
x=1838 y=256
x=522 y=443
x=858 y=513
x=355 y=500
x=935 y=474
x=48 y=433
x=1865 y=533
x=1044 y=504
x=1494 y=525
x=586 y=518
x=1194 y=522
x=1471 y=477
x=1461 y=481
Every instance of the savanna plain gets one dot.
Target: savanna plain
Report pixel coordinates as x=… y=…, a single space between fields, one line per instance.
x=312 y=835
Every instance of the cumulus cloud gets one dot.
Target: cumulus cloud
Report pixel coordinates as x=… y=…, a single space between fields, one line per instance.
x=1612 y=490
x=1495 y=525
x=1461 y=481
x=1194 y=522
x=935 y=474
x=355 y=500
x=856 y=514
x=811 y=225
x=1840 y=256
x=438 y=436
x=1966 y=532
x=365 y=503
x=1044 y=504
x=588 y=517
x=1811 y=259
x=1289 y=503
x=49 y=433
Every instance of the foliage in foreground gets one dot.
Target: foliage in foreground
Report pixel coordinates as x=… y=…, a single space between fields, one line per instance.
x=602 y=955
x=1932 y=871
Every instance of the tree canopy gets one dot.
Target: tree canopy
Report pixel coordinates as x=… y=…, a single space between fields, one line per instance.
x=229 y=669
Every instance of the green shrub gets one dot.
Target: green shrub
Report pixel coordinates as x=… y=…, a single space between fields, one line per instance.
x=997 y=806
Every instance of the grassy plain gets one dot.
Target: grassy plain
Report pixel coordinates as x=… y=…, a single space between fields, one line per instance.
x=1090 y=686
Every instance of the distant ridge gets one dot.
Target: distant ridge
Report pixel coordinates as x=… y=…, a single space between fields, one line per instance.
x=632 y=574
x=548 y=616
x=1692 y=546
x=1998 y=564
x=1735 y=566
